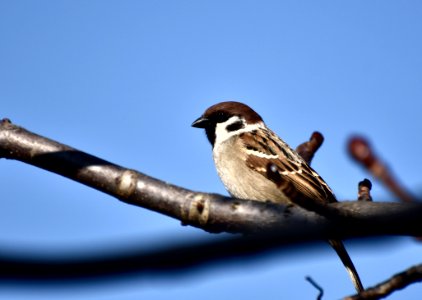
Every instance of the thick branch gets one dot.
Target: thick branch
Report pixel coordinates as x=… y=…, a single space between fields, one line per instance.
x=151 y=261
x=277 y=224
x=210 y=212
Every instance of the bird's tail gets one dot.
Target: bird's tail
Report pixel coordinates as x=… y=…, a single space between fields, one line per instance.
x=347 y=262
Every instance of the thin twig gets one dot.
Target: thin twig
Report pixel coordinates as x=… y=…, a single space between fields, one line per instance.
x=395 y=283
x=317 y=286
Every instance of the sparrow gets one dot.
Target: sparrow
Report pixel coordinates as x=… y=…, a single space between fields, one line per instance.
x=244 y=149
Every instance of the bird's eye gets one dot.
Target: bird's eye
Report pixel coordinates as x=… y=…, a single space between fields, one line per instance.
x=221 y=116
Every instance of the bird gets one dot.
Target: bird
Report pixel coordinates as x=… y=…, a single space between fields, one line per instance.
x=244 y=149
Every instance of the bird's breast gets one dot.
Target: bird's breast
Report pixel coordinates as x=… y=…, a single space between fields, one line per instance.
x=240 y=180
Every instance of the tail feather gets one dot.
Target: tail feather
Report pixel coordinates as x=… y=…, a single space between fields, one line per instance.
x=347 y=262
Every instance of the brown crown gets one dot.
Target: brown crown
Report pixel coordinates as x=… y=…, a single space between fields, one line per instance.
x=232 y=108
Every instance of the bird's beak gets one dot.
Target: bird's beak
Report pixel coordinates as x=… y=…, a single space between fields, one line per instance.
x=201 y=122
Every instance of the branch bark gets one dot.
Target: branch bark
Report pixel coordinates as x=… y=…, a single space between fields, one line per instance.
x=211 y=212
x=276 y=224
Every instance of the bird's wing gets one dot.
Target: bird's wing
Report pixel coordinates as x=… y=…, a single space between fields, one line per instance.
x=273 y=158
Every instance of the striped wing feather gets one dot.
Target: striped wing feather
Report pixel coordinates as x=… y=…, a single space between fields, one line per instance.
x=298 y=177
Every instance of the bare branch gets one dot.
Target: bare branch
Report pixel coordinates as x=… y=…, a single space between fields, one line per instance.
x=317 y=286
x=395 y=283
x=211 y=212
x=154 y=261
x=278 y=225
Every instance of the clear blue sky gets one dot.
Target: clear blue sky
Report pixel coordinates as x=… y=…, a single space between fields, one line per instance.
x=124 y=80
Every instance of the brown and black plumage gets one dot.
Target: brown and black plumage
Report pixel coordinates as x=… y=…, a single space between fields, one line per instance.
x=244 y=149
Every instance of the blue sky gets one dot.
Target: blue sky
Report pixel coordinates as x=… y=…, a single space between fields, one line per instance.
x=123 y=80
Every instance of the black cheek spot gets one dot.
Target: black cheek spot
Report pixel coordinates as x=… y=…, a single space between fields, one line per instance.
x=235 y=126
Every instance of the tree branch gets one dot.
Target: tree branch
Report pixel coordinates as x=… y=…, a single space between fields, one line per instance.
x=277 y=225
x=211 y=212
x=317 y=286
x=178 y=257
x=395 y=283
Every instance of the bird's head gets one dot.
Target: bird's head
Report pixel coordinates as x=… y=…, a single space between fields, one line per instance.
x=226 y=119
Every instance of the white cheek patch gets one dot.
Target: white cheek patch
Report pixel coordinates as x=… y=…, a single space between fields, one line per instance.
x=222 y=135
